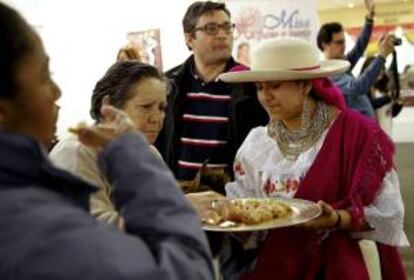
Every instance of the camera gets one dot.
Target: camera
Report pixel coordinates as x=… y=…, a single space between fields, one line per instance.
x=397 y=41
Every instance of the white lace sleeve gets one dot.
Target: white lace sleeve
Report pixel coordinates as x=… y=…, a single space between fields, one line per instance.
x=386 y=214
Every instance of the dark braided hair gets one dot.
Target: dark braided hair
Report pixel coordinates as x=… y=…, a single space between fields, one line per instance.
x=15 y=44
x=116 y=84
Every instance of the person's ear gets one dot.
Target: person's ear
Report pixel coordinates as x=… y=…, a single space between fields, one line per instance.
x=105 y=100
x=189 y=38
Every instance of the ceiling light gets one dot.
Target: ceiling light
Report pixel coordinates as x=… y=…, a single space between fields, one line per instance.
x=350 y=5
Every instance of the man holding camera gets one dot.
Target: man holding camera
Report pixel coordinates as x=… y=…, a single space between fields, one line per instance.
x=331 y=41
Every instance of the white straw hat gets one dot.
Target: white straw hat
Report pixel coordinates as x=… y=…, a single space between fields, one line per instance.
x=286 y=59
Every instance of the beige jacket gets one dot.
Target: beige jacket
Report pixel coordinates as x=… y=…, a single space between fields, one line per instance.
x=73 y=156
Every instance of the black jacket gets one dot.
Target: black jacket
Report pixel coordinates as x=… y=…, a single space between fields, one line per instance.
x=245 y=113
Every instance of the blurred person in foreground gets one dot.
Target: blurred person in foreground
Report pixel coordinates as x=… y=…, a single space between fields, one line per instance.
x=46 y=230
x=314 y=148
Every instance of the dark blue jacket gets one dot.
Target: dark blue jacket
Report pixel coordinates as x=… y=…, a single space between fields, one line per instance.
x=47 y=233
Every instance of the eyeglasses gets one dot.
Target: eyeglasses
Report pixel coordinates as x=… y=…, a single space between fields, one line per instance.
x=214 y=28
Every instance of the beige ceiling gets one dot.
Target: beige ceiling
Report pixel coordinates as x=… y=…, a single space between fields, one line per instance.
x=337 y=4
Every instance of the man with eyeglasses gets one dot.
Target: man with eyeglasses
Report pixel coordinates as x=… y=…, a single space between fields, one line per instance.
x=207 y=119
x=331 y=41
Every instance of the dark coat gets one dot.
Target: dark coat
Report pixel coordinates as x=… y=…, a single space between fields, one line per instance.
x=245 y=113
x=46 y=231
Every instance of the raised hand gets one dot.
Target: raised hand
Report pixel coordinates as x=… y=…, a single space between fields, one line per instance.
x=115 y=122
x=386 y=45
x=370 y=5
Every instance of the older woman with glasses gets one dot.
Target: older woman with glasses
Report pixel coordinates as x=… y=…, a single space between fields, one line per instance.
x=314 y=148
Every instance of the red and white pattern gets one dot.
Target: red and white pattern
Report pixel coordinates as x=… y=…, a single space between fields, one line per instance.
x=274 y=187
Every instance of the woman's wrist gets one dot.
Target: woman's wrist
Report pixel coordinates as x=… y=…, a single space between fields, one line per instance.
x=337 y=224
x=343 y=220
x=369 y=18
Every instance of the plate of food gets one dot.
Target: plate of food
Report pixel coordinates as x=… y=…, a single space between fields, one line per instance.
x=253 y=214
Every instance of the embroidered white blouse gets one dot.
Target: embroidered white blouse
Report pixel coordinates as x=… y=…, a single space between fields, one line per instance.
x=262 y=171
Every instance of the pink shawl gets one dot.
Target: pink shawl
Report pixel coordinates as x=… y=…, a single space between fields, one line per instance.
x=347 y=173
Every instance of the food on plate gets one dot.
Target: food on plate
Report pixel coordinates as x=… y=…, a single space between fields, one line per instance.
x=256 y=211
x=214 y=209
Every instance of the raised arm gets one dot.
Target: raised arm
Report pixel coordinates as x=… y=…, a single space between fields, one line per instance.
x=361 y=44
x=351 y=85
x=155 y=210
x=361 y=85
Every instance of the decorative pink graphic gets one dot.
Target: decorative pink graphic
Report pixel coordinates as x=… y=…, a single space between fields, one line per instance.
x=280 y=184
x=262 y=19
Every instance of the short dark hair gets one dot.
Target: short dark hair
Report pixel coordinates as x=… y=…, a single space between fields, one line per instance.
x=326 y=32
x=198 y=9
x=116 y=84
x=15 y=43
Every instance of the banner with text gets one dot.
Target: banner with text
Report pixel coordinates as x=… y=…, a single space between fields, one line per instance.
x=261 y=19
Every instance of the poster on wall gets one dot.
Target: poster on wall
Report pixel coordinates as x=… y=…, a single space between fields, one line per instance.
x=148 y=45
x=261 y=19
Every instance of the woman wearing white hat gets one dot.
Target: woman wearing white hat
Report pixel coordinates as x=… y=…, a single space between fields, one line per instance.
x=314 y=148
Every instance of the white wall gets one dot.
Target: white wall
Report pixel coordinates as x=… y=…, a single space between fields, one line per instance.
x=82 y=38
